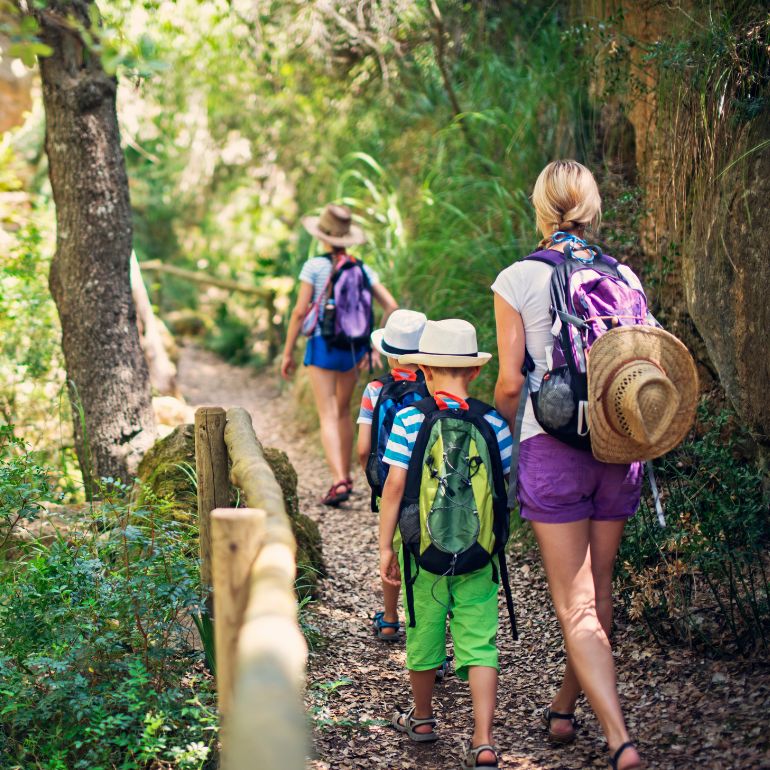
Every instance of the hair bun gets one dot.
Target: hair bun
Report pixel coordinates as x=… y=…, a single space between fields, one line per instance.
x=569 y=224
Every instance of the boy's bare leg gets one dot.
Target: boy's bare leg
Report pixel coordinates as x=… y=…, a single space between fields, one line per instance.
x=483 y=684
x=390 y=600
x=422 y=690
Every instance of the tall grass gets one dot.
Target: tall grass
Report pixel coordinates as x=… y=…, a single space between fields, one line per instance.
x=445 y=197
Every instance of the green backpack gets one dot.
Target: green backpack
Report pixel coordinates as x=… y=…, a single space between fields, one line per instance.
x=454 y=513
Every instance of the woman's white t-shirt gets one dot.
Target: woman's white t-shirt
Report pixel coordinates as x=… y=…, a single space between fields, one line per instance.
x=526 y=287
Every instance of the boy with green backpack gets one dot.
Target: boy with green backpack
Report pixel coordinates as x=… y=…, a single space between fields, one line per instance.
x=449 y=456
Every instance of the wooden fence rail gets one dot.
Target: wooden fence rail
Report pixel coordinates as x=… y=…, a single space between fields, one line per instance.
x=260 y=651
x=267 y=295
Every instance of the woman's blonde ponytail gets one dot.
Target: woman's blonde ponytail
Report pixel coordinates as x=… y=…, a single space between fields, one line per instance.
x=566 y=198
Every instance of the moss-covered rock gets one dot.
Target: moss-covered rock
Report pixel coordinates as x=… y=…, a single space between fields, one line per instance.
x=310 y=564
x=167 y=473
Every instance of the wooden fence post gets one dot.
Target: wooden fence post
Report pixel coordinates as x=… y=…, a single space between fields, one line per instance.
x=213 y=482
x=273 y=329
x=236 y=536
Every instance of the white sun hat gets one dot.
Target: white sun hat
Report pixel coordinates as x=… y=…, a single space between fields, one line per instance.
x=451 y=342
x=401 y=334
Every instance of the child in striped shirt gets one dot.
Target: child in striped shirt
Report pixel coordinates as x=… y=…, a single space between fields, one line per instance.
x=402 y=386
x=449 y=357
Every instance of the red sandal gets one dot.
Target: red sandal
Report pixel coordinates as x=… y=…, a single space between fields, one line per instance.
x=337 y=494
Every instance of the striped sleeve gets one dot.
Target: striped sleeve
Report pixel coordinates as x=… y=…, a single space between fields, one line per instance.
x=308 y=272
x=406 y=426
x=504 y=438
x=368 y=402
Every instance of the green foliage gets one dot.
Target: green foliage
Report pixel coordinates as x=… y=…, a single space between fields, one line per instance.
x=703 y=580
x=97 y=667
x=23 y=32
x=23 y=484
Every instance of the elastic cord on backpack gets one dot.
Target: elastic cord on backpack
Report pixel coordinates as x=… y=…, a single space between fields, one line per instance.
x=449 y=573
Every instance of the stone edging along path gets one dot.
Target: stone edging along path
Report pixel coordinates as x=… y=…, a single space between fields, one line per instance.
x=683 y=711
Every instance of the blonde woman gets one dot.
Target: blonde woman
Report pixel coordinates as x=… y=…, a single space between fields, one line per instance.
x=577 y=505
x=333 y=370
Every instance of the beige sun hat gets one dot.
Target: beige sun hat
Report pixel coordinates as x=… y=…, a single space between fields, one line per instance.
x=401 y=334
x=642 y=394
x=335 y=227
x=451 y=342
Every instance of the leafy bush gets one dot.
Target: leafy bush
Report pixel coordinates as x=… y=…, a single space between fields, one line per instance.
x=97 y=666
x=23 y=484
x=703 y=580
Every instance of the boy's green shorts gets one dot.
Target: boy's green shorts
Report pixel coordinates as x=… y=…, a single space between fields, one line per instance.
x=473 y=600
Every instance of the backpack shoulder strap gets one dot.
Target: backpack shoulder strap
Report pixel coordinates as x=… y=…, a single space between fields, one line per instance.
x=546 y=256
x=429 y=408
x=477 y=411
x=426 y=405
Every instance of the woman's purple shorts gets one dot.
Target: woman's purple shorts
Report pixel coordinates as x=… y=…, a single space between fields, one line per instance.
x=560 y=484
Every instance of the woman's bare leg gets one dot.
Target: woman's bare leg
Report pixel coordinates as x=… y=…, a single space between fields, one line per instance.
x=565 y=549
x=346 y=382
x=324 y=384
x=604 y=540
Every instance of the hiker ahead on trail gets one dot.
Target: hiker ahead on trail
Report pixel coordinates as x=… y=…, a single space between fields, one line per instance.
x=334 y=310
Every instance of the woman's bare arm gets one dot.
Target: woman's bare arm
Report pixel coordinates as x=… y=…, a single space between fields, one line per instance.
x=304 y=296
x=385 y=299
x=510 y=351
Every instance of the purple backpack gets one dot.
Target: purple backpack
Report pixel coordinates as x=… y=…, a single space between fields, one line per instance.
x=589 y=296
x=349 y=305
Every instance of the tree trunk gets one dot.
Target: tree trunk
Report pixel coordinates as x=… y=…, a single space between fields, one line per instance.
x=89 y=279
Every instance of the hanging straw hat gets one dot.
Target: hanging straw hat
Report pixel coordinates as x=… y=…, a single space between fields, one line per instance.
x=335 y=227
x=448 y=343
x=642 y=393
x=401 y=334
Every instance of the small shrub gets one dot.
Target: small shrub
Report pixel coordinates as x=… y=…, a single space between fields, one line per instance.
x=97 y=667
x=703 y=580
x=23 y=484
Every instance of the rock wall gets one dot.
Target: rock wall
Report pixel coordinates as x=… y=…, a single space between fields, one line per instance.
x=706 y=191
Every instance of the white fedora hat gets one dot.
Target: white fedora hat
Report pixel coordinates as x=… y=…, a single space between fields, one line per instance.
x=401 y=334
x=448 y=343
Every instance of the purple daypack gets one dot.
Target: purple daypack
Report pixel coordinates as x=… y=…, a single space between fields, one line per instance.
x=588 y=297
x=350 y=302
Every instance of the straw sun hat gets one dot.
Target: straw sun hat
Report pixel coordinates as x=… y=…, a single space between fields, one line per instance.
x=335 y=227
x=448 y=343
x=642 y=390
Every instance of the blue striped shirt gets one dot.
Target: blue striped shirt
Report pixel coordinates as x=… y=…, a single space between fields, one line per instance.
x=406 y=426
x=316 y=272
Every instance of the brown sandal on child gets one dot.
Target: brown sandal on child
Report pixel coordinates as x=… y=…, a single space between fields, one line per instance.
x=405 y=722
x=471 y=759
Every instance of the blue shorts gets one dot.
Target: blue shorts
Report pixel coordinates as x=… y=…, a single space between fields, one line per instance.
x=320 y=353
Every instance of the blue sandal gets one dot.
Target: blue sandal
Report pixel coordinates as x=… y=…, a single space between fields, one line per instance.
x=379 y=623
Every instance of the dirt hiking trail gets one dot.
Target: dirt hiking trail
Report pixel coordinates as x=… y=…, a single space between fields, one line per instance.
x=683 y=711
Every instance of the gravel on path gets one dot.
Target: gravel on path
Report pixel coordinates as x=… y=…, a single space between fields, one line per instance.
x=684 y=711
